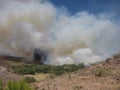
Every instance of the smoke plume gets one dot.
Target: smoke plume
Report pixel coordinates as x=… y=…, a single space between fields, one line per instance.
x=69 y=39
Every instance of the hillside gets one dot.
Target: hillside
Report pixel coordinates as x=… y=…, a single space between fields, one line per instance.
x=102 y=76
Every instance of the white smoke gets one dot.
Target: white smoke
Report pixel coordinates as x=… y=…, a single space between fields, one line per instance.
x=85 y=56
x=82 y=55
x=24 y=26
x=80 y=38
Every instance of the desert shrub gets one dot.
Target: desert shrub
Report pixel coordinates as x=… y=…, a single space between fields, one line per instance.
x=58 y=70
x=37 y=68
x=67 y=68
x=77 y=88
x=52 y=76
x=43 y=89
x=29 y=79
x=1 y=85
x=20 y=85
x=24 y=69
x=102 y=72
x=117 y=55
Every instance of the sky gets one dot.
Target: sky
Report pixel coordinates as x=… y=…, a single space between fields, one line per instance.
x=92 y=6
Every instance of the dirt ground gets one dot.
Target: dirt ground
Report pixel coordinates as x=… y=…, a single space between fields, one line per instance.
x=87 y=79
x=7 y=76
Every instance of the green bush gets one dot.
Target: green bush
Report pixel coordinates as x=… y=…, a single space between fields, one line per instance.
x=20 y=85
x=37 y=68
x=24 y=69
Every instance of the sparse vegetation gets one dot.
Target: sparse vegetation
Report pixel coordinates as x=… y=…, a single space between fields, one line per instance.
x=117 y=55
x=102 y=72
x=77 y=87
x=37 y=68
x=20 y=85
x=1 y=85
x=43 y=89
x=24 y=69
x=29 y=79
x=107 y=72
x=52 y=76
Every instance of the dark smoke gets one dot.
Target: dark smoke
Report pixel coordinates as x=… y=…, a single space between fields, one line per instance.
x=39 y=56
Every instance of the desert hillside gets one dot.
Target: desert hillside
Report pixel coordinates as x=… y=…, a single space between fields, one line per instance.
x=101 y=76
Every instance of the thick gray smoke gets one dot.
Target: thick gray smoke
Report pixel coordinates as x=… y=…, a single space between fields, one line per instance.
x=80 y=38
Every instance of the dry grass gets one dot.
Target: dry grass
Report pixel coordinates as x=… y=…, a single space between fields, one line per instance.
x=38 y=77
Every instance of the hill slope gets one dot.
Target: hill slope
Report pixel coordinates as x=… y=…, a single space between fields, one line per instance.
x=103 y=76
